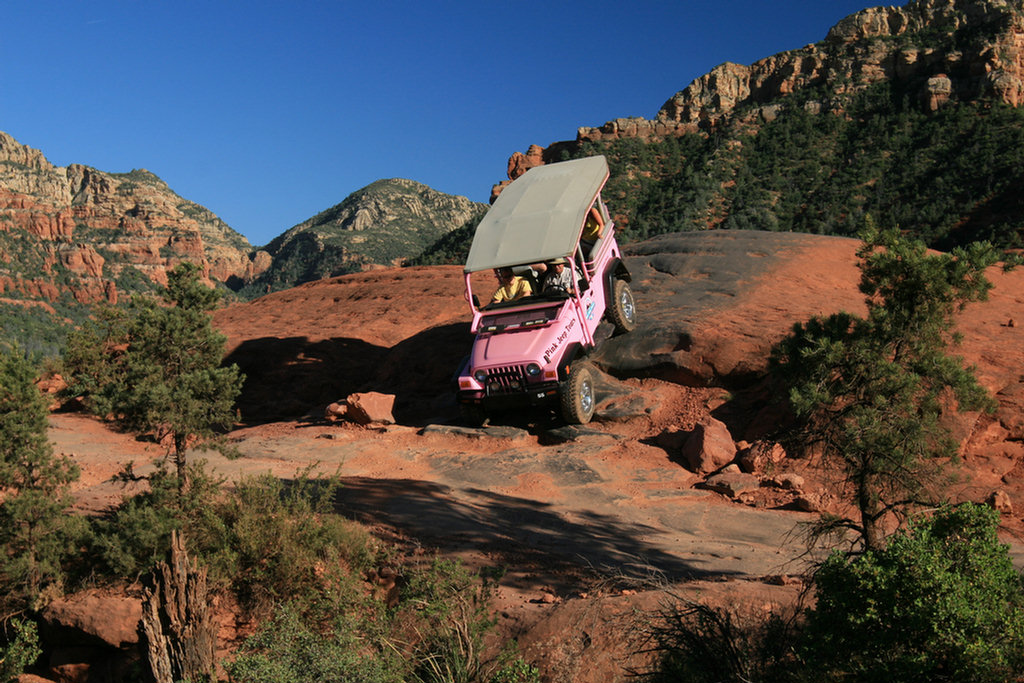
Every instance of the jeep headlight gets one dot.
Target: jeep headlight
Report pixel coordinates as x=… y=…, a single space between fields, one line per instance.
x=480 y=376
x=532 y=370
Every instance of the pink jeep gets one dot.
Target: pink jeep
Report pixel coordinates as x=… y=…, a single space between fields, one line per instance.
x=533 y=350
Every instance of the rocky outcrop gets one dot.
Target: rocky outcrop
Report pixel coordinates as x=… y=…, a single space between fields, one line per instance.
x=73 y=237
x=942 y=49
x=709 y=447
x=81 y=232
x=518 y=164
x=92 y=632
x=366 y=408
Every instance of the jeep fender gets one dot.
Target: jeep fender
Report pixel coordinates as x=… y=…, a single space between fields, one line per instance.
x=616 y=270
x=459 y=371
x=572 y=352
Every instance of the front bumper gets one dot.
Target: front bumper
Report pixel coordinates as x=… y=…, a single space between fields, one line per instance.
x=512 y=397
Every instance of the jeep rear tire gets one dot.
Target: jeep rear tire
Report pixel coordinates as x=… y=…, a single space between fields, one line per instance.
x=622 y=308
x=577 y=396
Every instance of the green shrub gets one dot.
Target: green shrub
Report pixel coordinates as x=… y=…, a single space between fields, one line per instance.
x=434 y=635
x=941 y=602
x=137 y=534
x=288 y=648
x=286 y=541
x=444 y=614
x=700 y=643
x=19 y=650
x=512 y=668
x=266 y=541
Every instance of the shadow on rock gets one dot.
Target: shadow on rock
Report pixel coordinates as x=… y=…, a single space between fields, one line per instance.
x=515 y=532
x=420 y=372
x=293 y=377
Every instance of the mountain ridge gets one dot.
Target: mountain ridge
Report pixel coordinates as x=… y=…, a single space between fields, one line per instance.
x=73 y=237
x=384 y=223
x=908 y=116
x=881 y=43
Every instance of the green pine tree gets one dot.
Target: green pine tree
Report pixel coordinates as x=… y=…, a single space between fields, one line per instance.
x=870 y=391
x=158 y=370
x=36 y=532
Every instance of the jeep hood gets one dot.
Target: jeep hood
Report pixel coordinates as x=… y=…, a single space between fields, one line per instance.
x=539 y=216
x=510 y=348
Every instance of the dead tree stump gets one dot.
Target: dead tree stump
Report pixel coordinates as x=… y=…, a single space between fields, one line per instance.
x=179 y=632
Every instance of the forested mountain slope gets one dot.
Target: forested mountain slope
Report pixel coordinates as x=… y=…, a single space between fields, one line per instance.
x=910 y=114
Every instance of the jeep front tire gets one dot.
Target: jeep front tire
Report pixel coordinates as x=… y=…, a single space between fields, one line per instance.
x=577 y=396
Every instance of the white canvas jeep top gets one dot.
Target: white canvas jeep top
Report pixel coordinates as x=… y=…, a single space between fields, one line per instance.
x=538 y=217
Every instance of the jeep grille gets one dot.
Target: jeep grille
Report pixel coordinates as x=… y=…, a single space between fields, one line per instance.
x=506 y=380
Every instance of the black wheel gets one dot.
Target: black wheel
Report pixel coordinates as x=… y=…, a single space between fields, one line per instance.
x=622 y=308
x=473 y=414
x=578 y=400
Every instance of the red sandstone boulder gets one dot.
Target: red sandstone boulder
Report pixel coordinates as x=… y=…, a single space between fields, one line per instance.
x=999 y=501
x=336 y=411
x=91 y=618
x=709 y=446
x=759 y=456
x=732 y=483
x=370 y=407
x=1011 y=410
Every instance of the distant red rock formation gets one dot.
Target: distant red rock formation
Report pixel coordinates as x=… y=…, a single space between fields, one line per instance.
x=858 y=52
x=88 y=227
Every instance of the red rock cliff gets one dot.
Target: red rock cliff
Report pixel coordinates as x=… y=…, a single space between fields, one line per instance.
x=83 y=232
x=942 y=48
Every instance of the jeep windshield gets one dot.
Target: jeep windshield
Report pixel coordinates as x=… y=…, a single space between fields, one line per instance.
x=518 y=319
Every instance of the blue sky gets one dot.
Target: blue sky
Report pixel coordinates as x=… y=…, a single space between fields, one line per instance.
x=269 y=112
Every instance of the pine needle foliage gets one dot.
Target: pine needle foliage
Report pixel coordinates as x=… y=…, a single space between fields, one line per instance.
x=19 y=650
x=941 y=602
x=156 y=369
x=870 y=392
x=37 y=534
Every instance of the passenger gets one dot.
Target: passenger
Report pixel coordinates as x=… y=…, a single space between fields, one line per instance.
x=555 y=276
x=593 y=228
x=511 y=287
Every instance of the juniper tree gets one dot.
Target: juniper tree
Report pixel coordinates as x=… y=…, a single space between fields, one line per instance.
x=159 y=370
x=870 y=391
